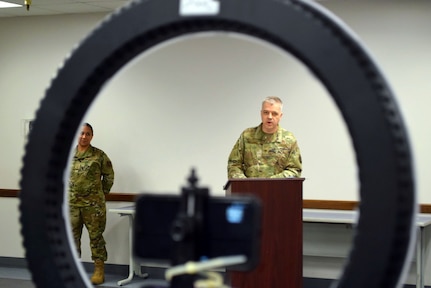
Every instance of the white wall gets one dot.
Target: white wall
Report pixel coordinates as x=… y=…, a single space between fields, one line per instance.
x=184 y=104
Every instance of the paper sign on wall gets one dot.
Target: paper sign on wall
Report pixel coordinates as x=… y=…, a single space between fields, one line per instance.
x=199 y=7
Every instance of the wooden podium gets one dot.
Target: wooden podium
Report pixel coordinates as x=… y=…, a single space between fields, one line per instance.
x=280 y=264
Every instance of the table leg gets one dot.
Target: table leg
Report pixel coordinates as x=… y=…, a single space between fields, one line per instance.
x=419 y=258
x=134 y=268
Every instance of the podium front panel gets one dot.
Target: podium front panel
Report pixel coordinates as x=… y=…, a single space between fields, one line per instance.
x=280 y=264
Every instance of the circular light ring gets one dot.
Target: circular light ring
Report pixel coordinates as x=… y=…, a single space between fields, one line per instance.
x=383 y=232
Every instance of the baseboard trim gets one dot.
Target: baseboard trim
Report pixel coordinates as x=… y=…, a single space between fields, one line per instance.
x=324 y=283
x=14 y=262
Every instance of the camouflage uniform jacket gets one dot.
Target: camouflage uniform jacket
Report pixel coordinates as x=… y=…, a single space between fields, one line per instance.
x=91 y=178
x=260 y=155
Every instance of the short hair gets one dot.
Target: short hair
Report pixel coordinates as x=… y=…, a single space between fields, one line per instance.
x=272 y=100
x=89 y=126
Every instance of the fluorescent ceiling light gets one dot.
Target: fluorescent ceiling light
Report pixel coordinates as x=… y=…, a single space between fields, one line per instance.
x=4 y=4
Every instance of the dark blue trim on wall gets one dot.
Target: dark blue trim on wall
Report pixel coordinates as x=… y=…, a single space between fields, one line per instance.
x=325 y=283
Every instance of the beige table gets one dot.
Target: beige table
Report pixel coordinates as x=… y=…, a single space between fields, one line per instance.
x=349 y=217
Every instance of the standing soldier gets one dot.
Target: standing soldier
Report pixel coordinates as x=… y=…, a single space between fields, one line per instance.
x=266 y=151
x=91 y=178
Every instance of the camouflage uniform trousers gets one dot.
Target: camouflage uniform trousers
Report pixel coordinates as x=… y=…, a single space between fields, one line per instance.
x=94 y=219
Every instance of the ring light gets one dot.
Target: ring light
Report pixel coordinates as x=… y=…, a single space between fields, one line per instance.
x=383 y=233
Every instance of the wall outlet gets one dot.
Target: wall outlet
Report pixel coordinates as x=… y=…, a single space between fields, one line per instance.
x=27 y=126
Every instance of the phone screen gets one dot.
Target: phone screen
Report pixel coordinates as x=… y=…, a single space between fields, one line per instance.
x=231 y=227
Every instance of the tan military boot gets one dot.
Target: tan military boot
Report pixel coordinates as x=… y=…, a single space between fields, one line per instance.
x=99 y=272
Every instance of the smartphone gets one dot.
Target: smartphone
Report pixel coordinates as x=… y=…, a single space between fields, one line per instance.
x=231 y=226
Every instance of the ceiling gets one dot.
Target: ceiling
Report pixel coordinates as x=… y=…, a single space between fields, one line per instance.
x=56 y=7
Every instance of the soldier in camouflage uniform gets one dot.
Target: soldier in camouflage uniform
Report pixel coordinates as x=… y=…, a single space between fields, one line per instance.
x=266 y=151
x=91 y=178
